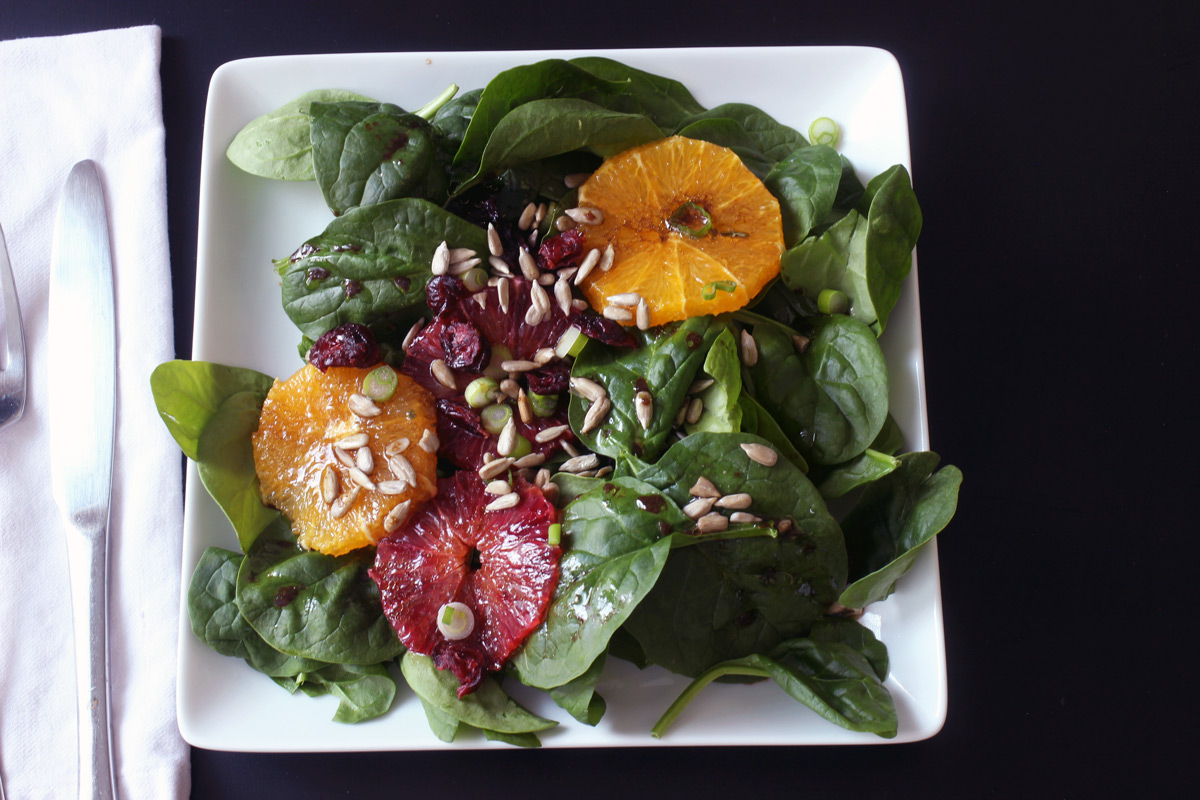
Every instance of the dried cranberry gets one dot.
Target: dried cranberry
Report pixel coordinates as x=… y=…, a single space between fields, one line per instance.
x=461 y=417
x=464 y=346
x=347 y=345
x=604 y=330
x=553 y=378
x=559 y=250
x=443 y=290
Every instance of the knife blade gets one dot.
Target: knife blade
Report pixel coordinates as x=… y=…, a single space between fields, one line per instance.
x=82 y=405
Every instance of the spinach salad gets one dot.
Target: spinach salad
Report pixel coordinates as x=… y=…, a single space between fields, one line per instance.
x=778 y=411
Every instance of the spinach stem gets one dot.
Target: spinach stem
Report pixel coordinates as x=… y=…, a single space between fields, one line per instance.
x=694 y=688
x=427 y=111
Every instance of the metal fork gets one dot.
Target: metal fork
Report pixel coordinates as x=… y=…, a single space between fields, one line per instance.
x=12 y=376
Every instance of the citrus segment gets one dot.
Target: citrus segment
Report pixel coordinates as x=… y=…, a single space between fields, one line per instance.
x=338 y=497
x=714 y=257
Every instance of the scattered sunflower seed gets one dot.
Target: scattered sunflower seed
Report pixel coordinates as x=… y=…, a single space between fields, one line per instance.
x=523 y=407
x=711 y=523
x=391 y=487
x=362 y=479
x=550 y=492
x=526 y=219
x=784 y=525
x=481 y=299
x=760 y=453
x=502 y=502
x=579 y=304
x=694 y=410
x=703 y=487
x=502 y=294
x=398 y=446
x=549 y=434
x=529 y=267
x=589 y=263
x=508 y=438
x=801 y=342
x=343 y=456
x=495 y=246
x=396 y=517
x=499 y=264
x=562 y=293
x=606 y=260
x=580 y=463
x=544 y=355
x=441 y=260
x=575 y=179
x=494 y=468
x=530 y=460
x=541 y=478
x=458 y=254
x=643 y=315
x=699 y=507
x=412 y=334
x=741 y=500
x=364 y=460
x=330 y=485
x=595 y=414
x=587 y=388
x=353 y=441
x=603 y=472
x=442 y=374
x=585 y=216
x=460 y=268
x=518 y=365
x=700 y=385
x=429 y=441
x=363 y=406
x=546 y=279
x=749 y=349
x=534 y=315
x=498 y=487
x=617 y=314
x=342 y=504
x=538 y=296
x=402 y=468
x=510 y=388
x=541 y=213
x=743 y=516
x=681 y=416
x=564 y=223
x=627 y=299
x=643 y=403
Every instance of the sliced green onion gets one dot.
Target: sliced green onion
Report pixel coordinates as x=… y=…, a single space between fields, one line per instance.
x=710 y=289
x=380 y=383
x=456 y=621
x=475 y=280
x=554 y=533
x=500 y=354
x=481 y=392
x=495 y=417
x=823 y=131
x=543 y=405
x=691 y=219
x=570 y=343
x=521 y=447
x=832 y=301
x=427 y=111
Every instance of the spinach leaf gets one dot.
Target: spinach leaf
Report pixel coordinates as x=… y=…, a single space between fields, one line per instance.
x=451 y=121
x=211 y=410
x=720 y=600
x=488 y=707
x=370 y=265
x=843 y=478
x=309 y=604
x=867 y=254
x=615 y=545
x=603 y=82
x=831 y=399
x=364 y=692
x=890 y=439
x=444 y=726
x=578 y=697
x=216 y=620
x=892 y=521
x=278 y=144
x=787 y=307
x=367 y=153
x=543 y=128
x=757 y=138
x=806 y=185
x=758 y=421
x=721 y=413
x=834 y=678
x=515 y=739
x=664 y=363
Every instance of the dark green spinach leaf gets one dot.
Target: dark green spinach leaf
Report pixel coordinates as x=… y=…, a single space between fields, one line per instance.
x=757 y=138
x=488 y=707
x=806 y=185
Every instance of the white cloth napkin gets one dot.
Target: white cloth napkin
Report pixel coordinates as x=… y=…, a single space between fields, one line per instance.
x=64 y=99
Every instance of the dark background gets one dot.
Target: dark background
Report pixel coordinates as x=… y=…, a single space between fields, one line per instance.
x=1054 y=154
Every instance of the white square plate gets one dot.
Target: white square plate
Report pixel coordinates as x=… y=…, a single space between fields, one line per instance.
x=247 y=221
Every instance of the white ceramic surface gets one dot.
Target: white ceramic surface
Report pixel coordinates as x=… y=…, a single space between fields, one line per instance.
x=247 y=221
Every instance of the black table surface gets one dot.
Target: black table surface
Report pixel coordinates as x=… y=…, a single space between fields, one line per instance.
x=1054 y=150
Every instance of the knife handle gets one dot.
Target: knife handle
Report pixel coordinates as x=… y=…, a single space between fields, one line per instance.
x=87 y=557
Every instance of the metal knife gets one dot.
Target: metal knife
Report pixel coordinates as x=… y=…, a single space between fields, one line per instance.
x=82 y=404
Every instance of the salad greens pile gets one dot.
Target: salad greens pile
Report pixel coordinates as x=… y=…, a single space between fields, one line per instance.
x=772 y=597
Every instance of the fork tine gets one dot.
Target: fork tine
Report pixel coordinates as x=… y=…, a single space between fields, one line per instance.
x=12 y=376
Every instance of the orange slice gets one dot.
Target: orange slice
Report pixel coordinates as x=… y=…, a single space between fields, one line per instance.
x=338 y=497
x=688 y=268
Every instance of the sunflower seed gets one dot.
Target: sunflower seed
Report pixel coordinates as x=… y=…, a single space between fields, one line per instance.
x=402 y=468
x=694 y=410
x=711 y=523
x=564 y=223
x=523 y=407
x=541 y=213
x=330 y=485
x=604 y=471
x=502 y=294
x=550 y=492
x=530 y=460
x=568 y=448
x=534 y=315
x=703 y=487
x=499 y=264
x=442 y=374
x=783 y=526
x=587 y=473
x=441 y=260
x=589 y=263
x=580 y=463
x=498 y=487
x=429 y=441
x=749 y=349
x=595 y=414
x=458 y=254
x=643 y=403
x=537 y=294
x=546 y=279
x=562 y=293
x=494 y=468
x=391 y=487
x=760 y=453
x=699 y=507
x=700 y=385
x=544 y=355
x=643 y=315
x=361 y=478
x=495 y=246
x=526 y=218
x=412 y=334
x=510 y=388
x=509 y=500
x=518 y=365
x=508 y=438
x=579 y=304
x=585 y=216
x=617 y=314
x=740 y=500
x=364 y=460
x=541 y=478
x=587 y=388
x=341 y=505
x=681 y=416
x=396 y=447
x=459 y=268
x=606 y=260
x=343 y=456
x=529 y=267
x=396 y=517
x=550 y=434
x=627 y=299
x=533 y=238
x=801 y=342
x=575 y=179
x=481 y=299
x=742 y=516
x=363 y=406
x=352 y=442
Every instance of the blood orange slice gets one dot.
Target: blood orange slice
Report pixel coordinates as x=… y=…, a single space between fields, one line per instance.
x=499 y=564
